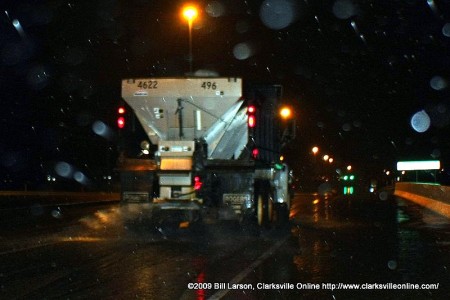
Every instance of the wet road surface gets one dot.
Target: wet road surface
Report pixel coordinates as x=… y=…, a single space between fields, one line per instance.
x=90 y=253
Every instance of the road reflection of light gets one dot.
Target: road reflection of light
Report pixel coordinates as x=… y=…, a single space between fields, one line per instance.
x=402 y=216
x=295 y=209
x=313 y=261
x=327 y=209
x=411 y=253
x=435 y=220
x=84 y=239
x=316 y=215
x=200 y=293
x=199 y=264
x=319 y=268
x=146 y=280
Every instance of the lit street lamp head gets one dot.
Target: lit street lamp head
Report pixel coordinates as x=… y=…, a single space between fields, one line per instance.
x=285 y=113
x=190 y=13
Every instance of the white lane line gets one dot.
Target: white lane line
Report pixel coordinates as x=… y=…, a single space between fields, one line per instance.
x=244 y=273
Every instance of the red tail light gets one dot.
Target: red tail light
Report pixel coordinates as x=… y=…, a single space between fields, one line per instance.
x=255 y=153
x=197 y=183
x=251 y=121
x=121 y=122
x=121 y=119
x=251 y=110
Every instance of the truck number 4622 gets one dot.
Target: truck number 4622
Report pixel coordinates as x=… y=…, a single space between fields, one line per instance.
x=149 y=84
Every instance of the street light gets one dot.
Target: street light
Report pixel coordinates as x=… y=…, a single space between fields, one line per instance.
x=285 y=113
x=288 y=124
x=315 y=150
x=190 y=13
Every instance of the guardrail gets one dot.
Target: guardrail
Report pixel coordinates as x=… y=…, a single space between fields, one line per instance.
x=432 y=196
x=13 y=199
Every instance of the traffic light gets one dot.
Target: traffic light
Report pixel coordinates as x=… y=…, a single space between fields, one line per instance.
x=121 y=117
x=348 y=190
x=349 y=177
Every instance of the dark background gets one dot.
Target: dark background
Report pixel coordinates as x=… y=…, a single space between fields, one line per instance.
x=355 y=72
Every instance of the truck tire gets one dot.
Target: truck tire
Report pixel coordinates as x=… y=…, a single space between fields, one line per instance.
x=264 y=208
x=260 y=210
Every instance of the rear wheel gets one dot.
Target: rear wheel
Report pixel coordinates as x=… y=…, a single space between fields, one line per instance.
x=264 y=207
x=260 y=210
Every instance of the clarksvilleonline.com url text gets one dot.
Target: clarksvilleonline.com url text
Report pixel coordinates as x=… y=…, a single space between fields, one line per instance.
x=369 y=286
x=311 y=286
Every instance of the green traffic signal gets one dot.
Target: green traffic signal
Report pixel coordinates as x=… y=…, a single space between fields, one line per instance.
x=349 y=177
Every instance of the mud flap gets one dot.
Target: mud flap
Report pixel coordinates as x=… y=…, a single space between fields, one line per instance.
x=282 y=216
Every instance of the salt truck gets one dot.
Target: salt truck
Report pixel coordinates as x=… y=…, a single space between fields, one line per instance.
x=209 y=150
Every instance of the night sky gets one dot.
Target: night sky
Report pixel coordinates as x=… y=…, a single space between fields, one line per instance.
x=365 y=76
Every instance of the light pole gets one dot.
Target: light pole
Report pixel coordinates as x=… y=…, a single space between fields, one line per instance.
x=190 y=13
x=287 y=116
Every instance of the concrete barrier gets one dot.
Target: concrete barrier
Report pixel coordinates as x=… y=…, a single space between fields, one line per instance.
x=432 y=196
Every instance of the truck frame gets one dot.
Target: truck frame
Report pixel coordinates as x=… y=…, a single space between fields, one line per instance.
x=210 y=150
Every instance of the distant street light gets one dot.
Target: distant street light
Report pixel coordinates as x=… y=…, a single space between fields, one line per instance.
x=190 y=13
x=285 y=113
x=315 y=150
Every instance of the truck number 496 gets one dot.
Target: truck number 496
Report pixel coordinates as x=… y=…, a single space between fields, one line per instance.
x=208 y=85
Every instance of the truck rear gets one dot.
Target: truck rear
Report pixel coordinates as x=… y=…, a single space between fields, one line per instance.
x=209 y=149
